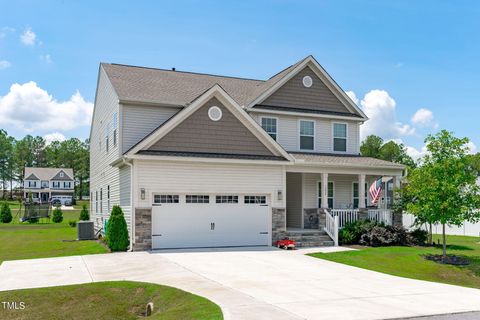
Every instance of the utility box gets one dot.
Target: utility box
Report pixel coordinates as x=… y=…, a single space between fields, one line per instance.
x=85 y=230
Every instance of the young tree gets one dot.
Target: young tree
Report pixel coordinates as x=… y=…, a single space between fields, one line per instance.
x=5 y=213
x=117 y=232
x=84 y=215
x=57 y=216
x=444 y=188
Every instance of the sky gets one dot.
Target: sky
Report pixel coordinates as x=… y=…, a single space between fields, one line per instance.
x=412 y=66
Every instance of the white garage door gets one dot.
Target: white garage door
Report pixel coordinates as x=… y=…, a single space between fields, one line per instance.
x=196 y=221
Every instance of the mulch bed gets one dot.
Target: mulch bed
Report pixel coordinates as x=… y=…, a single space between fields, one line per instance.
x=450 y=259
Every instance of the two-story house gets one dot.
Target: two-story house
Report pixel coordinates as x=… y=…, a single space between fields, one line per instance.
x=200 y=160
x=41 y=184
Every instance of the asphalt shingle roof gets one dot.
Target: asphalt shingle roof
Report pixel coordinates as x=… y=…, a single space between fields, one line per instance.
x=47 y=173
x=179 y=88
x=343 y=160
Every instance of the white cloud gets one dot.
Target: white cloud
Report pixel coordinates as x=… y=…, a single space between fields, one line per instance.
x=46 y=58
x=352 y=96
x=5 y=30
x=472 y=147
x=415 y=153
x=381 y=109
x=54 y=136
x=28 y=37
x=29 y=107
x=424 y=117
x=4 y=64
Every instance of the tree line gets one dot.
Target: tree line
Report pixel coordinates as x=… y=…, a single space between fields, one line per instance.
x=16 y=154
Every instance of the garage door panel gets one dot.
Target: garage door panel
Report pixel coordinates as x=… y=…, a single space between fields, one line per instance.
x=185 y=225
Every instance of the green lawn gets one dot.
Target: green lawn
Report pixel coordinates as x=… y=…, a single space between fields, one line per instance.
x=408 y=261
x=108 y=300
x=44 y=239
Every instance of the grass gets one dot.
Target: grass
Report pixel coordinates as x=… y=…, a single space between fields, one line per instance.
x=108 y=300
x=408 y=262
x=43 y=239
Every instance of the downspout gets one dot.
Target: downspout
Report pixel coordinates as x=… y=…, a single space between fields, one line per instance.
x=132 y=226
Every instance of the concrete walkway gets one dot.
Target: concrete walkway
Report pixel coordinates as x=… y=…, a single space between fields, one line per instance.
x=263 y=283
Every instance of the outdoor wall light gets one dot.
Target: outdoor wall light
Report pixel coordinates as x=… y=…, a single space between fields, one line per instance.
x=142 y=193
x=279 y=194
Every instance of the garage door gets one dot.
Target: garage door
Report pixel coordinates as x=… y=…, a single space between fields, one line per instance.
x=196 y=221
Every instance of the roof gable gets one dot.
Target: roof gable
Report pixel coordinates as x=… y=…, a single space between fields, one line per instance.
x=198 y=133
x=191 y=130
x=45 y=174
x=59 y=176
x=32 y=177
x=285 y=92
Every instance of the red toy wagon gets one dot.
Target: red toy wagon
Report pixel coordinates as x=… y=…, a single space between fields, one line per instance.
x=285 y=244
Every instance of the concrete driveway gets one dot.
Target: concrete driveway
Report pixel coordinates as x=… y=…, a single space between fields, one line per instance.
x=255 y=283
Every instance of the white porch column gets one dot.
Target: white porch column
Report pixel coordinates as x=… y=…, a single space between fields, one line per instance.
x=361 y=191
x=324 y=190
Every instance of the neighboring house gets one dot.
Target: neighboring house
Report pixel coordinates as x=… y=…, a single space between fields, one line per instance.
x=199 y=160
x=44 y=183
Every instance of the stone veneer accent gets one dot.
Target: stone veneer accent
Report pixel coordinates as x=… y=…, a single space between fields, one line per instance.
x=279 y=223
x=143 y=229
x=314 y=218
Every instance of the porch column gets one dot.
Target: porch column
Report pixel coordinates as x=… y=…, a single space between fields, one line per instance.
x=324 y=190
x=361 y=191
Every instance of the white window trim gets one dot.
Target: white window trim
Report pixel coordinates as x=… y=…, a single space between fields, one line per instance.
x=366 y=192
x=299 y=135
x=276 y=119
x=346 y=137
x=318 y=192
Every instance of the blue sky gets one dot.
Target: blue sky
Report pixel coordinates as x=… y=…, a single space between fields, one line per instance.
x=397 y=57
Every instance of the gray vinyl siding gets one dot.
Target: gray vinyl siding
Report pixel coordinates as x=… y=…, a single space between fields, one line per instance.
x=198 y=133
x=102 y=174
x=288 y=133
x=294 y=94
x=294 y=200
x=139 y=120
x=125 y=189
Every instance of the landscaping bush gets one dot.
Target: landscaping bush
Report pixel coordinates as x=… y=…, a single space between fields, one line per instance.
x=57 y=216
x=371 y=233
x=5 y=213
x=419 y=237
x=84 y=215
x=72 y=223
x=117 y=232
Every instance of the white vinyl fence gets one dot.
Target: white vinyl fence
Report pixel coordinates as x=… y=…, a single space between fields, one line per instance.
x=468 y=229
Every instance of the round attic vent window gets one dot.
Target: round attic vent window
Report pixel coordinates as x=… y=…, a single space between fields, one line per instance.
x=307 y=81
x=215 y=113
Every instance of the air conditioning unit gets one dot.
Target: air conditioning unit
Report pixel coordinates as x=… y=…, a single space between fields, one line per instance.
x=85 y=230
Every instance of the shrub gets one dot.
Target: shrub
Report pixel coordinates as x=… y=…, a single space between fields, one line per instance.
x=57 y=216
x=418 y=237
x=378 y=236
x=5 y=213
x=72 y=223
x=117 y=232
x=352 y=232
x=84 y=215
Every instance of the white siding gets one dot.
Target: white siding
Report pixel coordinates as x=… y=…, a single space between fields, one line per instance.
x=204 y=178
x=294 y=200
x=138 y=121
x=102 y=174
x=288 y=133
x=125 y=189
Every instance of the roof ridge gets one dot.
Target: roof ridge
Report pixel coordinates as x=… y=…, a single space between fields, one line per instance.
x=179 y=71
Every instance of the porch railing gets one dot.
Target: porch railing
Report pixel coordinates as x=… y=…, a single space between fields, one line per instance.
x=345 y=216
x=380 y=215
x=331 y=227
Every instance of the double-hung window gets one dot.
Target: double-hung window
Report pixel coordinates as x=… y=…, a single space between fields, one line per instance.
x=115 y=125
x=307 y=135
x=101 y=200
x=356 y=193
x=270 y=126
x=330 y=194
x=107 y=143
x=340 y=137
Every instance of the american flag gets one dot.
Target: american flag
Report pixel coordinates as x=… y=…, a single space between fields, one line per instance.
x=375 y=190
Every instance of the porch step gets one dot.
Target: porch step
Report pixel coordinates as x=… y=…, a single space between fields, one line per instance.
x=310 y=238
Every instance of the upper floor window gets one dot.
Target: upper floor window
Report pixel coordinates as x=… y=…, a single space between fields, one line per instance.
x=44 y=184
x=115 y=125
x=32 y=184
x=56 y=184
x=340 y=137
x=62 y=174
x=107 y=144
x=307 y=135
x=67 y=184
x=270 y=126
